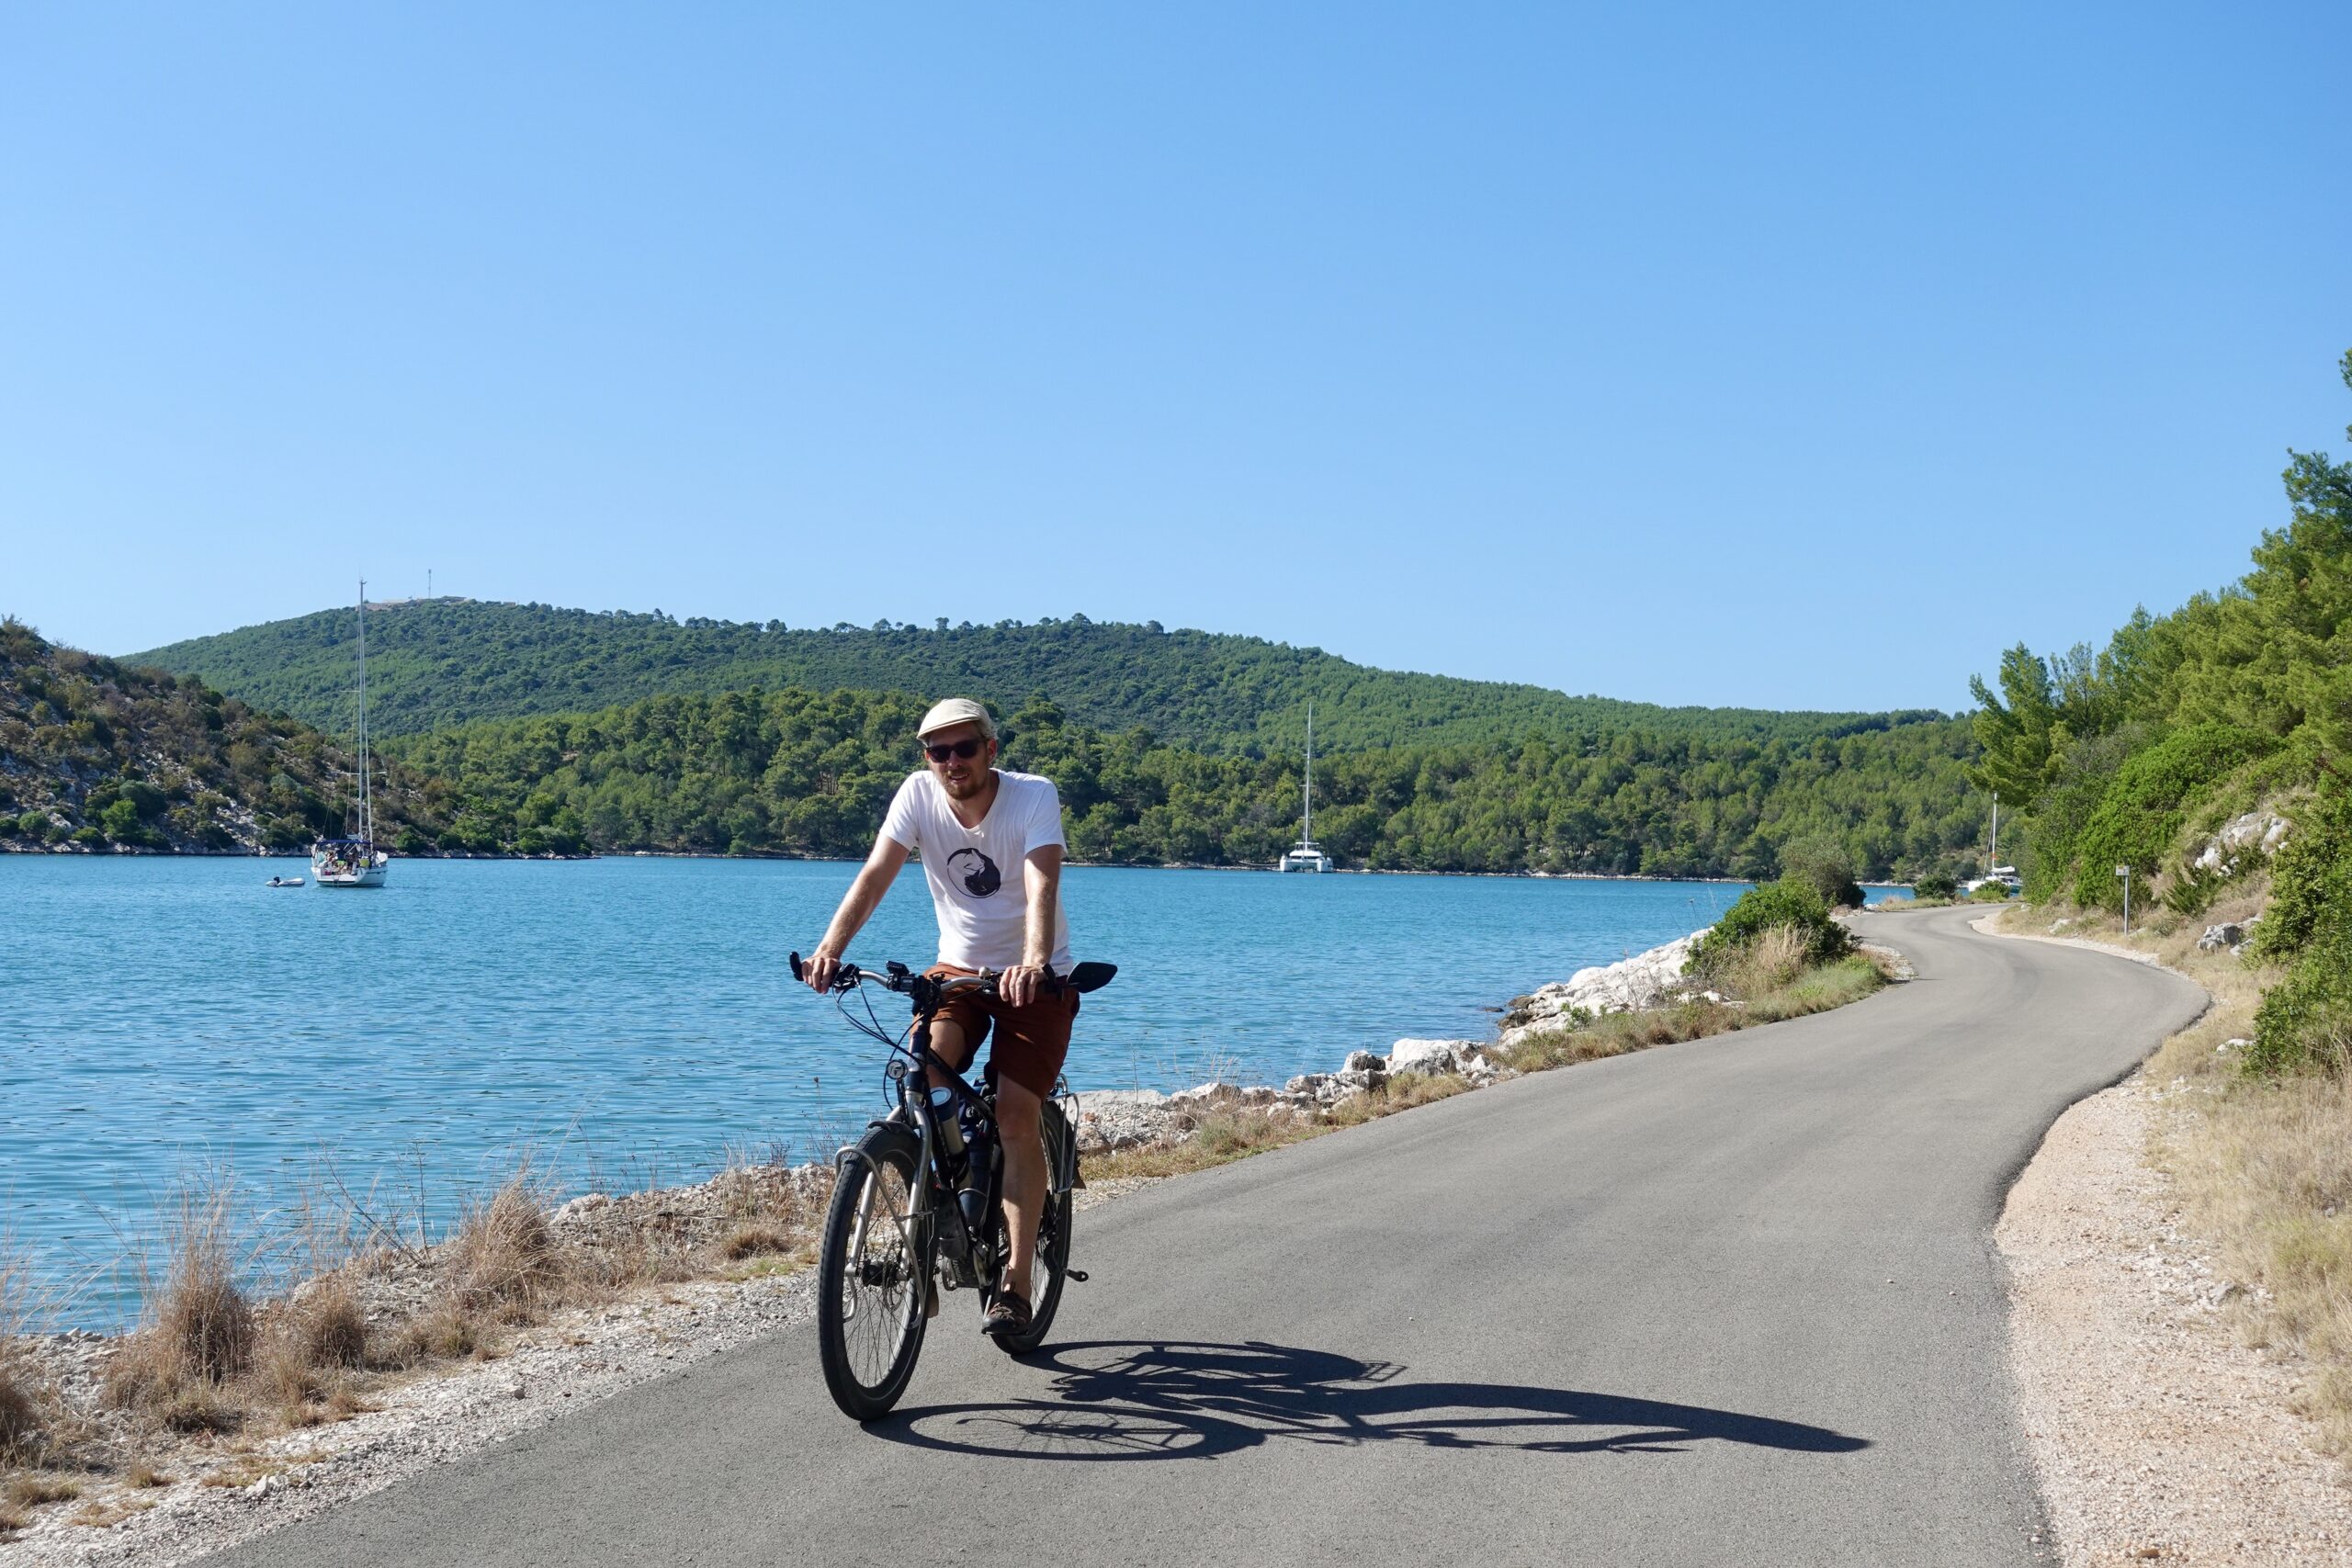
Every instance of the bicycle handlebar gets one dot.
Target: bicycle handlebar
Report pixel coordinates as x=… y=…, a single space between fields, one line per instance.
x=897 y=976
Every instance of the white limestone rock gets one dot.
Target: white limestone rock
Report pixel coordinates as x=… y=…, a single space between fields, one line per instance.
x=1646 y=980
x=2265 y=830
x=1430 y=1056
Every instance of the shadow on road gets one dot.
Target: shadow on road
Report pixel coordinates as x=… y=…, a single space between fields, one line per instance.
x=1121 y=1400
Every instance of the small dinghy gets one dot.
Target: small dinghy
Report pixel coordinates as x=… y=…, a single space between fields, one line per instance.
x=285 y=881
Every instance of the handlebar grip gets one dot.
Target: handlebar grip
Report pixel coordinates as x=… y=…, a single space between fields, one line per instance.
x=797 y=974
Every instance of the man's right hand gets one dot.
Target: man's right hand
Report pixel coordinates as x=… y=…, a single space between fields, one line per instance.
x=819 y=969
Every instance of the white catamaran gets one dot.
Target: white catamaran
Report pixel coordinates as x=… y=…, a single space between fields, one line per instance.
x=1307 y=855
x=355 y=862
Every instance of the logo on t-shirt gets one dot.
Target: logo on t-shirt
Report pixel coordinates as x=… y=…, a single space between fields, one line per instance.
x=976 y=872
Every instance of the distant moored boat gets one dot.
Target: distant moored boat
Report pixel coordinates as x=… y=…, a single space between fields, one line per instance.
x=1307 y=855
x=355 y=862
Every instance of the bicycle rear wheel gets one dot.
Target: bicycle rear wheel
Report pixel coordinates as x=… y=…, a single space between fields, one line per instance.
x=870 y=1283
x=1051 y=1266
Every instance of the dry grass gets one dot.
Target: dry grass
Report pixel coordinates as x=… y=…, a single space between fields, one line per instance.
x=328 y=1325
x=245 y=1470
x=24 y=1407
x=1770 y=963
x=503 y=1262
x=198 y=1330
x=755 y=1238
x=34 y=1490
x=2264 y=1166
x=111 y=1513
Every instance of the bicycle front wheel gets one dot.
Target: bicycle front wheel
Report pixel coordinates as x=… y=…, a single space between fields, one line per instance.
x=870 y=1284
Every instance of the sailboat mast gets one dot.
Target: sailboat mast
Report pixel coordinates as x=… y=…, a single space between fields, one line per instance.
x=1307 y=823
x=366 y=818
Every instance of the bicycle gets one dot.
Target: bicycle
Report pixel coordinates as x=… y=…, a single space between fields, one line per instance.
x=915 y=1210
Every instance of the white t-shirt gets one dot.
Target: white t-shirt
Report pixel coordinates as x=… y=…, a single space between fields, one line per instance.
x=980 y=877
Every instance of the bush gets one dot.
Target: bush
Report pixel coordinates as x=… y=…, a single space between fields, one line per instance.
x=1990 y=893
x=2310 y=877
x=2144 y=808
x=1936 y=884
x=1823 y=862
x=2305 y=1022
x=1793 y=902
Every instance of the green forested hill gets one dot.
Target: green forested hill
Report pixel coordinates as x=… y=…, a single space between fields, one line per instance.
x=798 y=771
x=447 y=662
x=97 y=755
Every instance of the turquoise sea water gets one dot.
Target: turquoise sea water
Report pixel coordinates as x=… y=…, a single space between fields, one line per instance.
x=629 y=1019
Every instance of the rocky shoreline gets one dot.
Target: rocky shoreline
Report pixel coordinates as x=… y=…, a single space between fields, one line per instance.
x=1118 y=1119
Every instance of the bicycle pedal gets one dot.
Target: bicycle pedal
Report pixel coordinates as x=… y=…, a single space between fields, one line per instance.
x=1077 y=1274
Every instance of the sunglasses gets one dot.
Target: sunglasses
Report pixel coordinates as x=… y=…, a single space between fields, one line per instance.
x=967 y=750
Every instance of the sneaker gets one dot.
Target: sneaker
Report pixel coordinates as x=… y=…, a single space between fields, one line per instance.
x=1008 y=1314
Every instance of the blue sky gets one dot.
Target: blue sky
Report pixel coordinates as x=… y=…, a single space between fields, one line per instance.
x=1787 y=357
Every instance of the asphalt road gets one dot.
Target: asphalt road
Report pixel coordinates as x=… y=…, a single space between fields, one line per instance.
x=1728 y=1302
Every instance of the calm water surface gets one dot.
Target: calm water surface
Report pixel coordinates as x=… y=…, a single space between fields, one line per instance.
x=626 y=1020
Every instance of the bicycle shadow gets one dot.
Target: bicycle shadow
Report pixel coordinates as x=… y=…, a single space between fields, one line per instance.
x=1177 y=1399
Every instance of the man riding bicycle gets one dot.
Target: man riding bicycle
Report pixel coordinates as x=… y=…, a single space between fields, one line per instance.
x=991 y=847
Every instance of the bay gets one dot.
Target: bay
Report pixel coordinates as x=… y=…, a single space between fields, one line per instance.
x=627 y=1021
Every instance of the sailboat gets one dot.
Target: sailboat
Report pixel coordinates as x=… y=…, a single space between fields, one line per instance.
x=355 y=862
x=2007 y=875
x=1307 y=855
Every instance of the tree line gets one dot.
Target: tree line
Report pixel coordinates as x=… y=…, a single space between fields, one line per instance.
x=808 y=772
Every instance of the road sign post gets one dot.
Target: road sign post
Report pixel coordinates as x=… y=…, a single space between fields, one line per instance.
x=2124 y=872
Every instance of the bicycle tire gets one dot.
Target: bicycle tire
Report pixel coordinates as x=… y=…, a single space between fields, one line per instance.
x=864 y=1374
x=1052 y=1246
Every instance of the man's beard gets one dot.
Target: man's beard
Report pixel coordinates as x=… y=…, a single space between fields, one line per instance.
x=972 y=783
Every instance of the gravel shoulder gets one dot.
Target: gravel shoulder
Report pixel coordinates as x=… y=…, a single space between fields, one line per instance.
x=2154 y=1435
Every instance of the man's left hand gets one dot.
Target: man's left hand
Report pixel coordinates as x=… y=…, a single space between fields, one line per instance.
x=1023 y=983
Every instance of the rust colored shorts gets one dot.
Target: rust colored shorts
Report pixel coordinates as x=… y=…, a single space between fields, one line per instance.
x=1030 y=1041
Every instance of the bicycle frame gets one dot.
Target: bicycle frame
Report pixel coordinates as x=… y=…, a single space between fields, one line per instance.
x=914 y=1110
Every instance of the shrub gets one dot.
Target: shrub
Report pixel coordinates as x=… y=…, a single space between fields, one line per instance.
x=1990 y=893
x=1936 y=884
x=2305 y=1022
x=1823 y=862
x=2145 y=806
x=2310 y=877
x=1792 y=902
